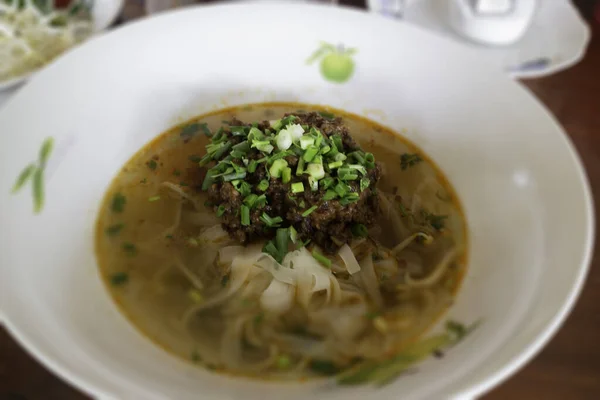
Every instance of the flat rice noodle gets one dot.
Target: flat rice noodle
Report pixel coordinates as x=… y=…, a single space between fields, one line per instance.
x=349 y=260
x=239 y=274
x=232 y=350
x=231 y=343
x=302 y=346
x=215 y=235
x=402 y=245
x=278 y=298
x=279 y=272
x=228 y=253
x=192 y=277
x=369 y=281
x=437 y=273
x=392 y=218
x=388 y=266
x=200 y=218
x=345 y=323
x=182 y=194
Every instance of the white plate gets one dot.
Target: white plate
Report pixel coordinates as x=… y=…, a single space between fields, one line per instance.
x=104 y=13
x=525 y=193
x=556 y=39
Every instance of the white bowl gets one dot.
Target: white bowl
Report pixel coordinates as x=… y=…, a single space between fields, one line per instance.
x=525 y=193
x=104 y=13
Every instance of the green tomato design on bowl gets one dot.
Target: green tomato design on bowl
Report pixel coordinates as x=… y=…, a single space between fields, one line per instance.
x=336 y=63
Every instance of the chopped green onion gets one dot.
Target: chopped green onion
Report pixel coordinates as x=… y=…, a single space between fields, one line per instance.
x=220 y=210
x=314 y=184
x=287 y=120
x=261 y=201
x=209 y=179
x=370 y=160
x=153 y=198
x=300 y=167
x=359 y=230
x=205 y=160
x=263 y=145
x=271 y=249
x=326 y=115
x=269 y=221
x=293 y=234
x=358 y=168
x=250 y=200
x=252 y=166
x=341 y=189
x=325 y=149
x=263 y=185
x=219 y=153
x=234 y=176
x=358 y=156
x=277 y=168
x=310 y=153
x=282 y=238
x=329 y=195
x=349 y=198
x=276 y=124
x=364 y=183
x=244 y=146
x=284 y=139
x=337 y=140
x=335 y=164
x=316 y=171
x=255 y=134
x=281 y=154
x=306 y=141
x=297 y=187
x=327 y=182
x=286 y=175
x=347 y=174
x=340 y=157
x=309 y=211
x=243 y=187
x=326 y=262
x=238 y=130
x=245 y=215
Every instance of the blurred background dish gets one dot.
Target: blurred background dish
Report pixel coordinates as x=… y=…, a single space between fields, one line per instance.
x=35 y=32
x=556 y=38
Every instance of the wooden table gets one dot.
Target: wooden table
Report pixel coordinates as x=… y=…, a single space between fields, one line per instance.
x=568 y=367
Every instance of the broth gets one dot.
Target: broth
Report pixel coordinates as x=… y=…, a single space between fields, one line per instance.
x=161 y=277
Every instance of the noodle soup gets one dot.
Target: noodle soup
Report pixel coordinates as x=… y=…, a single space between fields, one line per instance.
x=367 y=256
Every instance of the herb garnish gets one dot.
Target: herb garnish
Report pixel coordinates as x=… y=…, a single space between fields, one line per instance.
x=119 y=278
x=189 y=131
x=113 y=230
x=152 y=164
x=408 y=160
x=118 y=203
x=437 y=222
x=380 y=373
x=129 y=248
